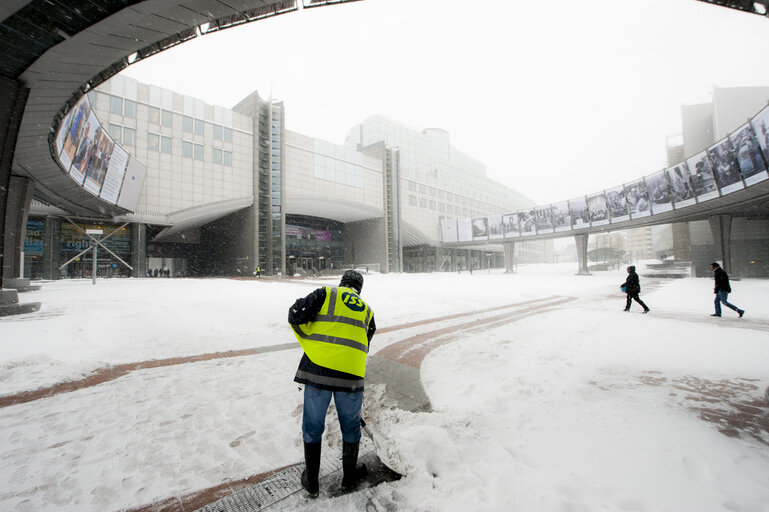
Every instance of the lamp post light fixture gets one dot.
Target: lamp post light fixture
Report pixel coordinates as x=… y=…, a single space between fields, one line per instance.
x=94 y=233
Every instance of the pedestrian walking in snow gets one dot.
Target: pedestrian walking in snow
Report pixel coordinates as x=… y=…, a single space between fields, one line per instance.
x=722 y=290
x=334 y=327
x=632 y=287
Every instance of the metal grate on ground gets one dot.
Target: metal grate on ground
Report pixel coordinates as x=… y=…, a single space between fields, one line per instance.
x=281 y=485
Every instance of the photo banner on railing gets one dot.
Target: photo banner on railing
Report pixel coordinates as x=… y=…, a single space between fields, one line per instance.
x=544 y=221
x=760 y=124
x=637 y=199
x=580 y=217
x=496 y=227
x=659 y=192
x=725 y=168
x=681 y=191
x=93 y=160
x=511 y=226
x=561 y=216
x=617 y=201
x=528 y=223
x=701 y=174
x=748 y=154
x=449 y=230
x=464 y=230
x=480 y=228
x=599 y=211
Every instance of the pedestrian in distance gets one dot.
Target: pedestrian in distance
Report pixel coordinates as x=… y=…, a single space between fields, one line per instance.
x=632 y=287
x=722 y=290
x=334 y=326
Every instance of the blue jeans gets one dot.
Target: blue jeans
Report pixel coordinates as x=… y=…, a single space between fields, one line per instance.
x=316 y=402
x=721 y=297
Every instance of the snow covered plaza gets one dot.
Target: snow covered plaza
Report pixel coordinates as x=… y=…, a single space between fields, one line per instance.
x=543 y=394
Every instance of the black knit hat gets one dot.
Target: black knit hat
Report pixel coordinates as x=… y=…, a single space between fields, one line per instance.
x=714 y=264
x=352 y=279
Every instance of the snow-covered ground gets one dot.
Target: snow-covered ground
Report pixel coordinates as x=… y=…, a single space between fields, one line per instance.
x=583 y=408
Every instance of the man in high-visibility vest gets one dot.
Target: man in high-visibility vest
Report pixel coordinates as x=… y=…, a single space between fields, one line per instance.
x=334 y=327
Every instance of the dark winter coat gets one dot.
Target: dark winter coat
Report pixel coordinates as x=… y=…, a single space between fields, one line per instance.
x=303 y=311
x=632 y=284
x=722 y=281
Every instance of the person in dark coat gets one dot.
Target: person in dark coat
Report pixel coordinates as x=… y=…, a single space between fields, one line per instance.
x=632 y=287
x=722 y=290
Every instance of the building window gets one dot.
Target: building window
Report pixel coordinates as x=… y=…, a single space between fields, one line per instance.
x=187 y=124
x=412 y=186
x=167 y=119
x=412 y=200
x=338 y=171
x=422 y=188
x=130 y=109
x=227 y=132
x=116 y=131
x=198 y=152
x=432 y=205
x=217 y=132
x=154 y=115
x=198 y=127
x=153 y=142
x=227 y=158
x=423 y=203
x=165 y=144
x=116 y=105
x=129 y=136
x=217 y=154
x=186 y=149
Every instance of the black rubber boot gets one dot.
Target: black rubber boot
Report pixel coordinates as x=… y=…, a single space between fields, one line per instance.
x=353 y=472
x=312 y=467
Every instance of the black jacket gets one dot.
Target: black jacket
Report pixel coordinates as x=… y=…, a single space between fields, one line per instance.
x=303 y=311
x=722 y=281
x=632 y=284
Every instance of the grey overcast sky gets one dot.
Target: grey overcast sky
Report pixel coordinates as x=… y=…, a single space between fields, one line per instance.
x=558 y=98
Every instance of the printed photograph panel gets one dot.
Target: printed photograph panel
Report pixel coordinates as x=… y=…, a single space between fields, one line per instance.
x=580 y=217
x=681 y=190
x=725 y=167
x=659 y=193
x=598 y=208
x=748 y=154
x=637 y=199
x=701 y=176
x=617 y=201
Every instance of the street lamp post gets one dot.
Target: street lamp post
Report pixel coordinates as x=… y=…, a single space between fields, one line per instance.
x=95 y=244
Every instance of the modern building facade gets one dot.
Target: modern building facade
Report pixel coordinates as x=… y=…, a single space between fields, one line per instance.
x=227 y=190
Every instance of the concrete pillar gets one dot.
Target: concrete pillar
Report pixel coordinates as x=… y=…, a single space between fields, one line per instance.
x=18 y=200
x=139 y=249
x=52 y=248
x=721 y=227
x=581 y=241
x=509 y=257
x=13 y=99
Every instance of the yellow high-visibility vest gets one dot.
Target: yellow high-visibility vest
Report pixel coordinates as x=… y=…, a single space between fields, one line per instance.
x=337 y=338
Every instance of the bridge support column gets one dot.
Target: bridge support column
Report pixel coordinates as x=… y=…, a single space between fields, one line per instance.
x=13 y=99
x=581 y=241
x=139 y=249
x=18 y=200
x=52 y=248
x=721 y=227
x=509 y=257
